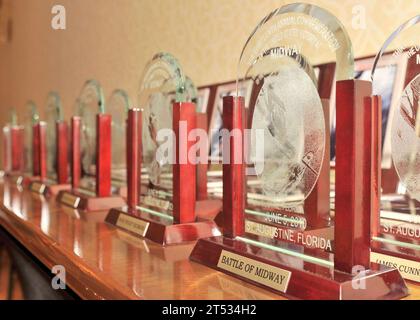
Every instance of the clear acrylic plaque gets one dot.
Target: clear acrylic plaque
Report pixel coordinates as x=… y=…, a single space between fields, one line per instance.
x=90 y=103
x=118 y=105
x=287 y=142
x=399 y=225
x=163 y=83
x=30 y=119
x=53 y=114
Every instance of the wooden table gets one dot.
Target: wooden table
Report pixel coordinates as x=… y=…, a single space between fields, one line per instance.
x=102 y=262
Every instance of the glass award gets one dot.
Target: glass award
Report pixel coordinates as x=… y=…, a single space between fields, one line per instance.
x=117 y=106
x=54 y=149
x=91 y=102
x=279 y=231
x=163 y=83
x=30 y=120
x=53 y=115
x=396 y=230
x=11 y=146
x=164 y=208
x=91 y=132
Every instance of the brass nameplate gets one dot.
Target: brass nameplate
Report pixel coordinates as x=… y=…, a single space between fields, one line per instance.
x=409 y=269
x=156 y=202
x=70 y=200
x=17 y=180
x=133 y=224
x=254 y=270
x=38 y=187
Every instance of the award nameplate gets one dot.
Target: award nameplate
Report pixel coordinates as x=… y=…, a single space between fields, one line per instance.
x=70 y=200
x=409 y=269
x=261 y=273
x=156 y=202
x=37 y=187
x=136 y=226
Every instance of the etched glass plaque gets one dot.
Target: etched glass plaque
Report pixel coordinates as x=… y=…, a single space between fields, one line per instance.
x=399 y=225
x=117 y=106
x=53 y=114
x=288 y=138
x=89 y=104
x=163 y=83
x=30 y=119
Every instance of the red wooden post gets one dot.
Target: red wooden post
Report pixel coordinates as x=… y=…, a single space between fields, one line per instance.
x=134 y=155
x=353 y=176
x=202 y=123
x=6 y=149
x=375 y=102
x=76 y=157
x=103 y=155
x=184 y=170
x=62 y=152
x=17 y=137
x=35 y=150
x=234 y=170
x=42 y=132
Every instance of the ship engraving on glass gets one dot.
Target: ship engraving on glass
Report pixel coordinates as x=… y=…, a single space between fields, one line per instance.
x=289 y=110
x=406 y=139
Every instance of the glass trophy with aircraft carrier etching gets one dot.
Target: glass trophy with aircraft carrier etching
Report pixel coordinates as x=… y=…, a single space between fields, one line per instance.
x=279 y=231
x=163 y=206
x=117 y=106
x=396 y=223
x=57 y=149
x=34 y=165
x=91 y=154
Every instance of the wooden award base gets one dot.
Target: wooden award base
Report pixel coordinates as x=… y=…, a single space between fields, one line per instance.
x=159 y=227
x=405 y=259
x=89 y=202
x=295 y=275
x=48 y=187
x=165 y=253
x=23 y=180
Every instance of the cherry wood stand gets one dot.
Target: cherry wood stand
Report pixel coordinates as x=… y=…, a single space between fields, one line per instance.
x=347 y=274
x=102 y=199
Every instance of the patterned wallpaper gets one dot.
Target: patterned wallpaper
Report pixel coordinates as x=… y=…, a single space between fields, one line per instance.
x=112 y=40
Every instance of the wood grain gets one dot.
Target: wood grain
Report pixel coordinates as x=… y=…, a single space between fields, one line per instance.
x=105 y=263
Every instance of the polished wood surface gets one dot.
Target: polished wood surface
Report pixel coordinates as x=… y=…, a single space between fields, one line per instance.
x=62 y=152
x=103 y=155
x=134 y=156
x=184 y=121
x=353 y=192
x=75 y=153
x=234 y=170
x=105 y=263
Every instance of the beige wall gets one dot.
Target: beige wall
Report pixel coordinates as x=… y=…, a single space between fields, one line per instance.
x=111 y=40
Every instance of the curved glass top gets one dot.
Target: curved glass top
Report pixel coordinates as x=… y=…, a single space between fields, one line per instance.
x=163 y=83
x=90 y=103
x=396 y=67
x=302 y=32
x=53 y=114
x=287 y=113
x=117 y=106
x=31 y=118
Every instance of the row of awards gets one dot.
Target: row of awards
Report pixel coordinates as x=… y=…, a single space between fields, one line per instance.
x=267 y=210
